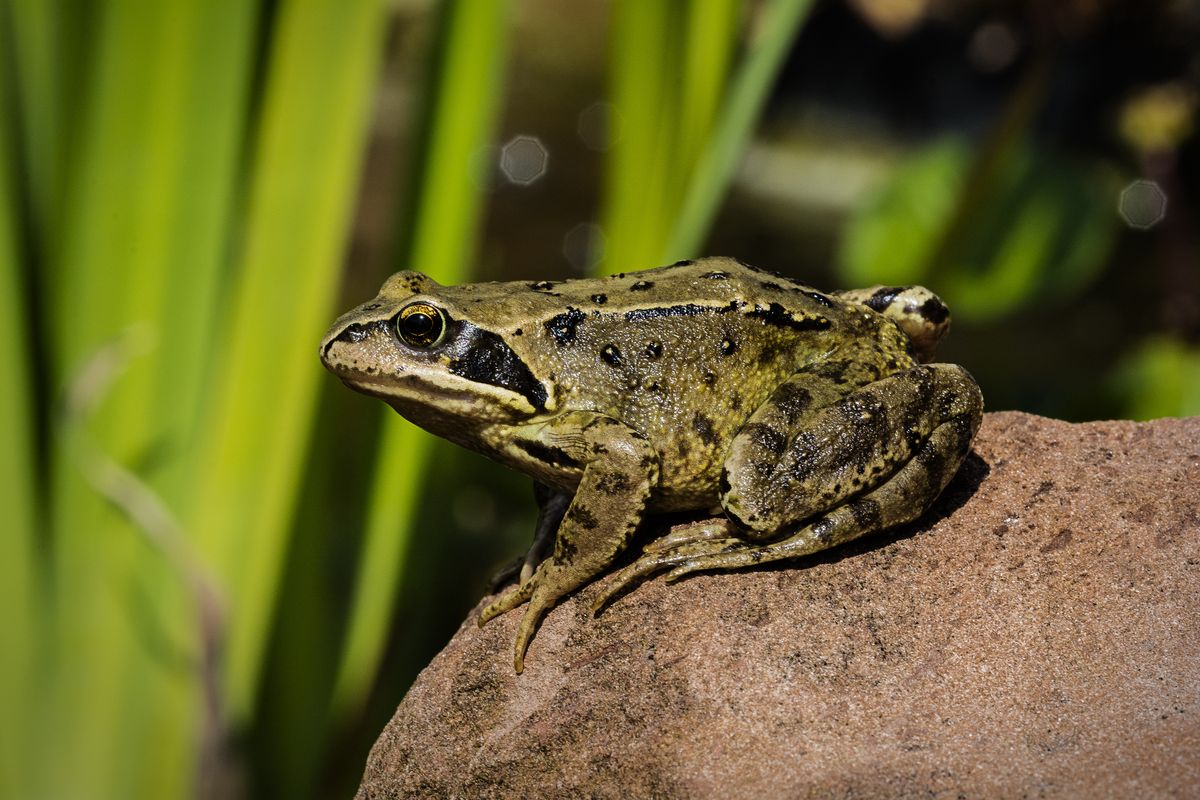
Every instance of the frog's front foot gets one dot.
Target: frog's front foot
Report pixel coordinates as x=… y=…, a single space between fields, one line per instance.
x=527 y=591
x=541 y=591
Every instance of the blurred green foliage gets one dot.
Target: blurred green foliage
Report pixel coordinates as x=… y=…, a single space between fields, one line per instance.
x=1039 y=232
x=220 y=569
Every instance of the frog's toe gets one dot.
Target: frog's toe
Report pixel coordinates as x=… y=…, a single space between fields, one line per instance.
x=729 y=559
x=629 y=577
x=506 y=602
x=653 y=562
x=691 y=533
x=539 y=604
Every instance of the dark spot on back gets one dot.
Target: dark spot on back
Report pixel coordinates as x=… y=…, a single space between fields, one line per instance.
x=542 y=286
x=716 y=275
x=728 y=347
x=684 y=263
x=518 y=332
x=771 y=285
x=562 y=327
x=599 y=299
x=703 y=427
x=776 y=314
x=641 y=286
x=611 y=355
x=654 y=350
x=818 y=298
x=709 y=378
x=688 y=310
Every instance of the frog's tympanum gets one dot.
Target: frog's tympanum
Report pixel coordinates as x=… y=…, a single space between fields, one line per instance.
x=808 y=418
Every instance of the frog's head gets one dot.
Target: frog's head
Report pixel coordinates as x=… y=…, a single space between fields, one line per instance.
x=414 y=348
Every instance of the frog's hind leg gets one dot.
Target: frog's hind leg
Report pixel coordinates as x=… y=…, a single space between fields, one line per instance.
x=874 y=459
x=955 y=407
x=902 y=498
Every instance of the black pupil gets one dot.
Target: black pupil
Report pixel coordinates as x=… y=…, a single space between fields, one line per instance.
x=418 y=324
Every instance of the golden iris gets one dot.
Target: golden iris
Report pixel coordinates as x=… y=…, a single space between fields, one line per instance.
x=421 y=325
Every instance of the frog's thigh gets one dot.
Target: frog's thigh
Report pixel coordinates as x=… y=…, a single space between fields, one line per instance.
x=786 y=467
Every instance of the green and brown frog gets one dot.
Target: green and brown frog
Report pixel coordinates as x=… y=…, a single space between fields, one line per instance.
x=808 y=418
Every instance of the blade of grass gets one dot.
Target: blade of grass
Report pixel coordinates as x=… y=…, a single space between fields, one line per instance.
x=769 y=44
x=645 y=98
x=441 y=234
x=146 y=224
x=51 y=46
x=256 y=429
x=712 y=31
x=23 y=615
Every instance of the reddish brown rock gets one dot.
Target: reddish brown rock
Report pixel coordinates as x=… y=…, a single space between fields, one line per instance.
x=1037 y=634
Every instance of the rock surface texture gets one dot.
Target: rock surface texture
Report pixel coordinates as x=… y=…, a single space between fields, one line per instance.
x=1036 y=634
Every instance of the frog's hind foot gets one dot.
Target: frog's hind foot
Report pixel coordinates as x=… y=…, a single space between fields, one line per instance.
x=661 y=558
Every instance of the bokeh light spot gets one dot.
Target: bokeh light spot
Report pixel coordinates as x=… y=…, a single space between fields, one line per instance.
x=1142 y=205
x=523 y=159
x=993 y=47
x=583 y=247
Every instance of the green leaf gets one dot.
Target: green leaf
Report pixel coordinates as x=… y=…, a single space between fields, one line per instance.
x=257 y=421
x=144 y=231
x=1161 y=378
x=770 y=42
x=20 y=598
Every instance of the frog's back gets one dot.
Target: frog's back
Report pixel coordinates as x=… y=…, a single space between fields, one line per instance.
x=686 y=353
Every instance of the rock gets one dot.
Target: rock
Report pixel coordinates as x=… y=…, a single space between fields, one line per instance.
x=1036 y=634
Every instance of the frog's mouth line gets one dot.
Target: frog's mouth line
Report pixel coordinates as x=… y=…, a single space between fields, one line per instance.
x=410 y=391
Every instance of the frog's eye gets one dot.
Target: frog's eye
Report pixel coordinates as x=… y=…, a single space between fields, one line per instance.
x=421 y=325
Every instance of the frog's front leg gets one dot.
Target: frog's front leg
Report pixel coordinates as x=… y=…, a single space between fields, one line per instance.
x=619 y=471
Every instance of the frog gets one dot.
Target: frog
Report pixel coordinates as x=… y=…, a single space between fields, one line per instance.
x=798 y=419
